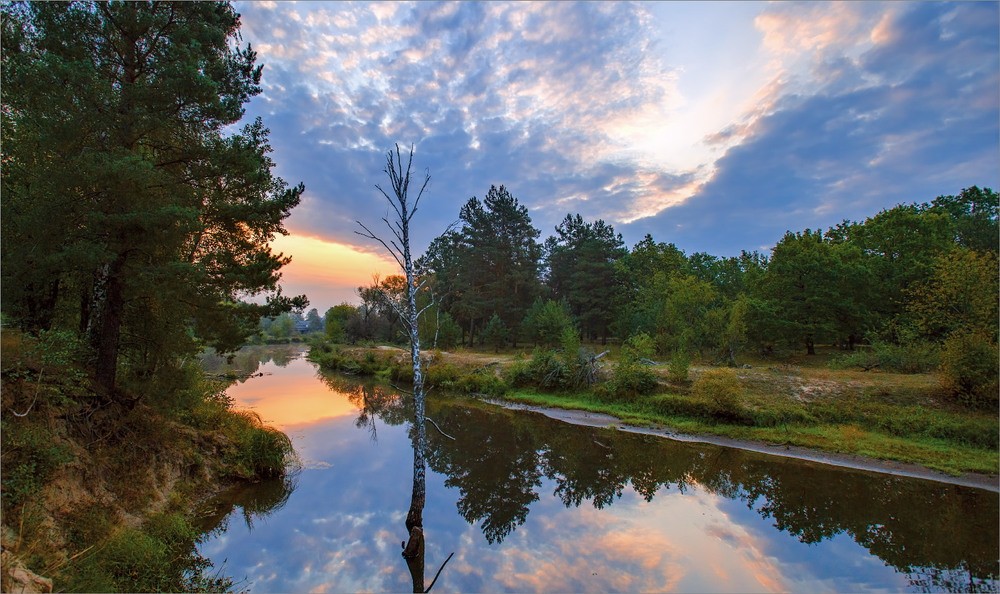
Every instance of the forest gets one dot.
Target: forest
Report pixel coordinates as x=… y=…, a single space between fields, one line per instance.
x=908 y=289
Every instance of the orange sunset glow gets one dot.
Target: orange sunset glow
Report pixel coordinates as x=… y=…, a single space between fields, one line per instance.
x=327 y=272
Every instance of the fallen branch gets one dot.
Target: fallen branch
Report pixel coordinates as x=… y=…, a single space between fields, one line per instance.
x=37 y=390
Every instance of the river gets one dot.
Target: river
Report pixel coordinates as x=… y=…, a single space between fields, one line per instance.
x=531 y=504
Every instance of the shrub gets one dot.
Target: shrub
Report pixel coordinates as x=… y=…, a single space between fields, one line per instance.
x=159 y=558
x=721 y=390
x=482 y=381
x=672 y=405
x=912 y=357
x=440 y=373
x=30 y=459
x=969 y=369
x=677 y=369
x=631 y=376
x=518 y=373
x=543 y=370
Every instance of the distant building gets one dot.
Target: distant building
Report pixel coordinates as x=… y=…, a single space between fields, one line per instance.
x=302 y=327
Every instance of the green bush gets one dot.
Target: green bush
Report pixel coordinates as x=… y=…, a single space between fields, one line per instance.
x=631 y=377
x=30 y=458
x=677 y=369
x=912 y=357
x=482 y=382
x=439 y=373
x=159 y=558
x=258 y=451
x=543 y=370
x=518 y=373
x=721 y=389
x=673 y=405
x=969 y=369
x=774 y=415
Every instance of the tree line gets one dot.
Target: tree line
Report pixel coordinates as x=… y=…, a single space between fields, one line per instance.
x=911 y=275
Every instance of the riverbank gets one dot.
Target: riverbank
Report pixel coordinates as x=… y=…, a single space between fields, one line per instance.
x=591 y=419
x=889 y=418
x=98 y=497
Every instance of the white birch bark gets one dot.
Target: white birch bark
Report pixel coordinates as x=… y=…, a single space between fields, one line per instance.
x=399 y=247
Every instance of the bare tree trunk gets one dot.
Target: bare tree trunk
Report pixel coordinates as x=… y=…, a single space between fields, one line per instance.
x=400 y=249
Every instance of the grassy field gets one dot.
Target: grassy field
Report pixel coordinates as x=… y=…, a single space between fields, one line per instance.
x=799 y=401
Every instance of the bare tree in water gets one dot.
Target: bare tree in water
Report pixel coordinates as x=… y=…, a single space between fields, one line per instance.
x=399 y=247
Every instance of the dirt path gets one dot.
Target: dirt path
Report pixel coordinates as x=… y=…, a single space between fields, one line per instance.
x=589 y=419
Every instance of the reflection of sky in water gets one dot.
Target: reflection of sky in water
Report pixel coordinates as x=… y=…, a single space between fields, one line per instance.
x=342 y=527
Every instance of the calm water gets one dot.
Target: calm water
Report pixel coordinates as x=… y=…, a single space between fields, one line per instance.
x=529 y=504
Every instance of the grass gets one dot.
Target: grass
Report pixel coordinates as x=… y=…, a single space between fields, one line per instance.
x=160 y=557
x=61 y=455
x=800 y=400
x=965 y=444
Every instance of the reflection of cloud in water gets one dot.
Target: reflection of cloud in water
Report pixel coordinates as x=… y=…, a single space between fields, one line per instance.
x=702 y=530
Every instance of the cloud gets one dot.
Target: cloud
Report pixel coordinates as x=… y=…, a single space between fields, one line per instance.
x=913 y=116
x=533 y=96
x=850 y=108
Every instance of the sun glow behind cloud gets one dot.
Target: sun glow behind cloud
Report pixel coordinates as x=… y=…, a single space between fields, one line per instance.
x=716 y=126
x=327 y=272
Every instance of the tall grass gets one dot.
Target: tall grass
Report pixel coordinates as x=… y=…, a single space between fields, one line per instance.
x=258 y=451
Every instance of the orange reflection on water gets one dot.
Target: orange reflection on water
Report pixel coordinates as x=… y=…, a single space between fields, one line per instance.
x=674 y=545
x=290 y=395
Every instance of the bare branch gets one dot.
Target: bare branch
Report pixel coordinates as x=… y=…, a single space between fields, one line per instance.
x=438 y=573
x=368 y=233
x=439 y=428
x=427 y=180
x=392 y=202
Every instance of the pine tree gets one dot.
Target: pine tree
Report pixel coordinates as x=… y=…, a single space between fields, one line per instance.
x=130 y=211
x=581 y=266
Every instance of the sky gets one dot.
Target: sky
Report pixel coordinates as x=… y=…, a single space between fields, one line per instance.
x=713 y=126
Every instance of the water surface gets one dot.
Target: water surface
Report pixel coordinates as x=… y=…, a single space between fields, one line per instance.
x=530 y=504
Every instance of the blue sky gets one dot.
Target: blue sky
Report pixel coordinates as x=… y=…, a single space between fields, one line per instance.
x=713 y=126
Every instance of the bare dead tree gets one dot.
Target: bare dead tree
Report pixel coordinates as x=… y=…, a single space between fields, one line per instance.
x=399 y=247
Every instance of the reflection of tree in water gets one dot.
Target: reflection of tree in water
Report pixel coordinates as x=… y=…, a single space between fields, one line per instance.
x=254 y=500
x=374 y=401
x=247 y=361
x=936 y=579
x=494 y=465
x=944 y=536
